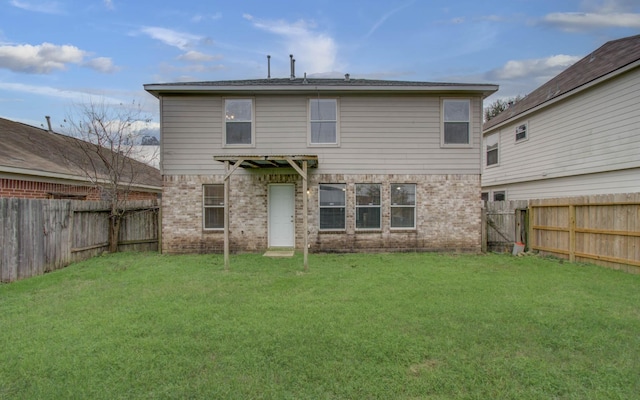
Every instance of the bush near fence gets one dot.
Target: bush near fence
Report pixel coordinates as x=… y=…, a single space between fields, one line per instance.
x=39 y=236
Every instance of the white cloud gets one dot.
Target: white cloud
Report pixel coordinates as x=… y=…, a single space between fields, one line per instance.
x=102 y=64
x=109 y=4
x=314 y=51
x=47 y=7
x=39 y=59
x=206 y=17
x=539 y=68
x=190 y=69
x=609 y=6
x=585 y=21
x=196 y=56
x=44 y=91
x=170 y=37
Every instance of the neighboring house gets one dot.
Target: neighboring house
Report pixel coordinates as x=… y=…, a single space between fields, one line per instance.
x=578 y=134
x=377 y=165
x=40 y=164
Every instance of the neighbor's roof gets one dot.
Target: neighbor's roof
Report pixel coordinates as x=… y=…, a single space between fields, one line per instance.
x=313 y=85
x=27 y=150
x=611 y=58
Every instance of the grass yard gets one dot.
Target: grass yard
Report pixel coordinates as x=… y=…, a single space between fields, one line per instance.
x=356 y=326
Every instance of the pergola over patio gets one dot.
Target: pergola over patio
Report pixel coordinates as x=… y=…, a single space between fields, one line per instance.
x=300 y=163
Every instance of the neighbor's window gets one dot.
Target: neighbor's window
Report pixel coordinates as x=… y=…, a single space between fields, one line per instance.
x=368 y=206
x=521 y=132
x=484 y=196
x=323 y=121
x=238 y=121
x=403 y=205
x=213 y=203
x=499 y=196
x=332 y=206
x=456 y=117
x=491 y=145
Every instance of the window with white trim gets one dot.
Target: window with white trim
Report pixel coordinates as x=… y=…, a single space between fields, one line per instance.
x=368 y=206
x=521 y=132
x=213 y=204
x=403 y=206
x=332 y=206
x=491 y=146
x=499 y=195
x=456 y=117
x=323 y=121
x=238 y=127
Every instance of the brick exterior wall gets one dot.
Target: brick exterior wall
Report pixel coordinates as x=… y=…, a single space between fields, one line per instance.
x=48 y=190
x=448 y=214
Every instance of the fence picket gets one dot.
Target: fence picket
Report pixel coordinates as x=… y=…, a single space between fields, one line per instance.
x=38 y=236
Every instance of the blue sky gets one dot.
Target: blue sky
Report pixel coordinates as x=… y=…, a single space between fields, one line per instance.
x=57 y=53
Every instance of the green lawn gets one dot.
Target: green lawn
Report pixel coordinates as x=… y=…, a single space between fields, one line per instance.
x=377 y=326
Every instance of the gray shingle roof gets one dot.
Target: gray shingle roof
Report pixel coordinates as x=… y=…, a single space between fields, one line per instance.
x=25 y=147
x=609 y=58
x=312 y=84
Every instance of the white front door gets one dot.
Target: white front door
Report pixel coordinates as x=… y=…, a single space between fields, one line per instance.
x=281 y=215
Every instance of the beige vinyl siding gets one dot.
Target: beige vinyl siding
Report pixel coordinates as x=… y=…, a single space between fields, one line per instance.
x=622 y=181
x=378 y=134
x=593 y=132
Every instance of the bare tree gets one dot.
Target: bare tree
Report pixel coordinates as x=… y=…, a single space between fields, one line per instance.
x=499 y=105
x=109 y=134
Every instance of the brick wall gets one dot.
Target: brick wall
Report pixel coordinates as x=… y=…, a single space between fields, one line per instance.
x=48 y=190
x=448 y=214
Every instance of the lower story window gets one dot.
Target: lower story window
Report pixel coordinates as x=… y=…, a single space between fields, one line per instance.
x=368 y=206
x=213 y=203
x=403 y=205
x=332 y=206
x=499 y=195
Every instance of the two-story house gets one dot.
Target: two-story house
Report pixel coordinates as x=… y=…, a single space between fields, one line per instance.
x=324 y=164
x=578 y=134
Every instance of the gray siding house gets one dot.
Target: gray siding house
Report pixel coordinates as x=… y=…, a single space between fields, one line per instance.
x=576 y=135
x=321 y=164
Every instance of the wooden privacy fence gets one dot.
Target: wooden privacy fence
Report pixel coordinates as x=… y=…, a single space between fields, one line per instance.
x=505 y=222
x=603 y=230
x=39 y=236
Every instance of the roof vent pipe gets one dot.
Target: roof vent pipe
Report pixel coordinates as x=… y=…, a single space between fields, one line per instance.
x=291 y=66
x=304 y=81
x=48 y=122
x=293 y=69
x=347 y=77
x=268 y=66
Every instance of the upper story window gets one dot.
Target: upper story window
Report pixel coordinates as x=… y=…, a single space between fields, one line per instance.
x=521 y=132
x=368 y=206
x=323 y=121
x=456 y=117
x=238 y=127
x=491 y=146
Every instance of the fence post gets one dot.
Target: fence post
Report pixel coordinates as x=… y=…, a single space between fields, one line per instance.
x=532 y=236
x=483 y=222
x=572 y=233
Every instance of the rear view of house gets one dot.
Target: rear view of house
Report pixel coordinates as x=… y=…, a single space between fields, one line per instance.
x=327 y=164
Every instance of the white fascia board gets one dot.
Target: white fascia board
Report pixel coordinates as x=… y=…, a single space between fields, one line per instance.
x=157 y=89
